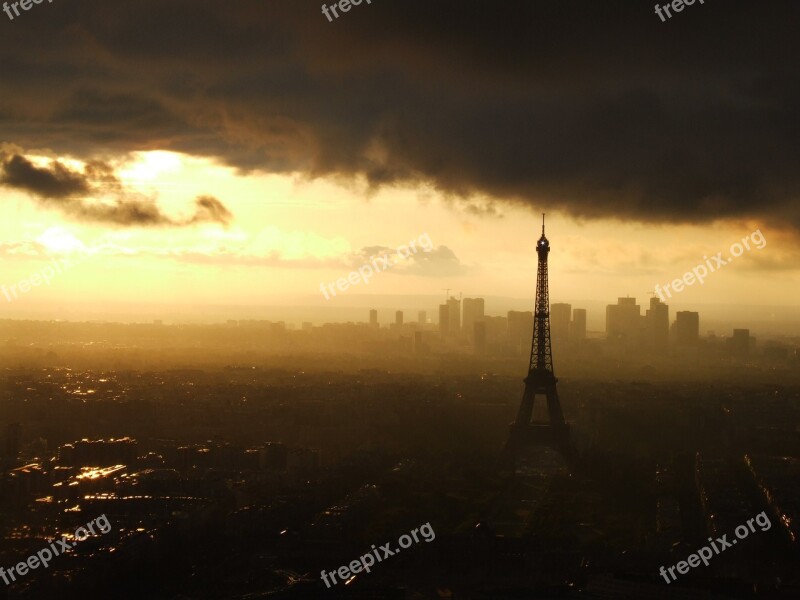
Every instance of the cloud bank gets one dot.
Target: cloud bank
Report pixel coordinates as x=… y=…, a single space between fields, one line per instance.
x=595 y=108
x=76 y=194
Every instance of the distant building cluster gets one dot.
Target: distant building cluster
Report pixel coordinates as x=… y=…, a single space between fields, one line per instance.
x=465 y=320
x=626 y=324
x=627 y=327
x=464 y=326
x=463 y=323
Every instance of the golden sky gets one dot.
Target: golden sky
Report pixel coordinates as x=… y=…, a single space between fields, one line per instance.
x=288 y=234
x=266 y=150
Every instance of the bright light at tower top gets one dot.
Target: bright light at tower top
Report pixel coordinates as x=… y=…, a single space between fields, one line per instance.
x=543 y=245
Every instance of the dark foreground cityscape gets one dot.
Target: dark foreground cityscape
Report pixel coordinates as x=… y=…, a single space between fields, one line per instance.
x=240 y=481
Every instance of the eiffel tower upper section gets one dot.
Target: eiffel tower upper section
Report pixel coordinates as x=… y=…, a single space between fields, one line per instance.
x=541 y=353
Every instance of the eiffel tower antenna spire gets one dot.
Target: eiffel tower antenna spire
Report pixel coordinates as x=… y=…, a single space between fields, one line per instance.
x=542 y=224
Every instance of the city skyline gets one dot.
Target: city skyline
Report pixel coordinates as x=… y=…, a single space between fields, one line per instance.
x=506 y=288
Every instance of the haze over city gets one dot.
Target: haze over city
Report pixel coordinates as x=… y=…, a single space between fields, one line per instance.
x=515 y=282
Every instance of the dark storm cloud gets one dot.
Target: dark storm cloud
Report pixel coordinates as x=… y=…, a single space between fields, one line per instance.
x=76 y=194
x=55 y=182
x=210 y=209
x=597 y=108
x=144 y=212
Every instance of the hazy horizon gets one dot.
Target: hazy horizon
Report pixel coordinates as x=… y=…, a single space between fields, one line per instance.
x=784 y=320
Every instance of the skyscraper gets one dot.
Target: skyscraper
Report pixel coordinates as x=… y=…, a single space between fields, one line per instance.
x=496 y=329
x=444 y=320
x=418 y=343
x=479 y=337
x=560 y=315
x=687 y=327
x=623 y=321
x=373 y=318
x=520 y=329
x=657 y=318
x=398 y=318
x=578 y=325
x=454 y=315
x=740 y=342
x=473 y=311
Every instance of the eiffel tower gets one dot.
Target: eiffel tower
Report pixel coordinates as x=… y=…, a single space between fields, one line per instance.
x=541 y=379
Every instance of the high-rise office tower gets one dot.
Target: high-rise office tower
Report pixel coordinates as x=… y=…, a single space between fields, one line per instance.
x=623 y=320
x=657 y=318
x=479 y=336
x=444 y=319
x=454 y=315
x=520 y=329
x=560 y=316
x=473 y=311
x=740 y=342
x=373 y=318
x=418 y=344
x=398 y=317
x=496 y=329
x=578 y=325
x=687 y=327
